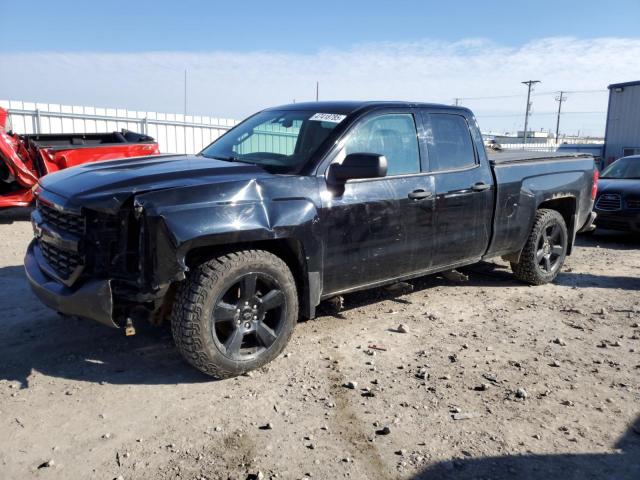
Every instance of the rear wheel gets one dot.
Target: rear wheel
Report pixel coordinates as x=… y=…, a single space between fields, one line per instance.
x=545 y=251
x=235 y=313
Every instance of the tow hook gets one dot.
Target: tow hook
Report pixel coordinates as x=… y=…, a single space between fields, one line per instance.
x=129 y=329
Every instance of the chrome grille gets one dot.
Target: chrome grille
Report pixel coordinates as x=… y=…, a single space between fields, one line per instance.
x=633 y=203
x=69 y=222
x=63 y=262
x=59 y=233
x=609 y=202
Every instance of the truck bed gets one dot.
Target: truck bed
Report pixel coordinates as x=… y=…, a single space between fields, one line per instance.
x=525 y=179
x=517 y=156
x=76 y=140
x=26 y=158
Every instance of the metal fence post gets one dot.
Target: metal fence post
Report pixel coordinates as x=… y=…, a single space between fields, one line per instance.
x=38 y=127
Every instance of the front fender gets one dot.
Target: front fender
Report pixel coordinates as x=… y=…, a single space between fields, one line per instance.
x=174 y=226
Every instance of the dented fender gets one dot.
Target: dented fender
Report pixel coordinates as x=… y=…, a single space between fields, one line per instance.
x=179 y=221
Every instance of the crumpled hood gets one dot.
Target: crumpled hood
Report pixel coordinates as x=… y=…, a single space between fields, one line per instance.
x=106 y=185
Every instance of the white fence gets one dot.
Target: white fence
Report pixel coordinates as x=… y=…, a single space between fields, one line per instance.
x=535 y=147
x=551 y=145
x=174 y=132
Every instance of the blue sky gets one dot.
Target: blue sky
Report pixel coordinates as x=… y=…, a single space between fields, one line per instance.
x=298 y=26
x=244 y=56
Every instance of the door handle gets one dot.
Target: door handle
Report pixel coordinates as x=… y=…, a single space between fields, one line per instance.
x=420 y=195
x=480 y=187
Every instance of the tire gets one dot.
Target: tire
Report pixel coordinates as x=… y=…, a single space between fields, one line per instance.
x=541 y=262
x=247 y=330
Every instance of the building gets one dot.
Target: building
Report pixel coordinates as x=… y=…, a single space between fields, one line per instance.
x=622 y=135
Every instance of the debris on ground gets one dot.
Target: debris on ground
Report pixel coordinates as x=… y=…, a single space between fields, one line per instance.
x=455 y=276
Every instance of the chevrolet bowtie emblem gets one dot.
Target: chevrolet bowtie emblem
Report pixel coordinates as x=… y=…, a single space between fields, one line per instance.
x=37 y=230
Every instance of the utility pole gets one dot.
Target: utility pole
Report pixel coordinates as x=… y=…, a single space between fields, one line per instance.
x=317 y=91
x=560 y=98
x=529 y=84
x=457 y=100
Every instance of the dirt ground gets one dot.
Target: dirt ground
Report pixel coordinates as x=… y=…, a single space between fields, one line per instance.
x=493 y=379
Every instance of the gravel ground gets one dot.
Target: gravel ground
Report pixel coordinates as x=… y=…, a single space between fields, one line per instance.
x=491 y=379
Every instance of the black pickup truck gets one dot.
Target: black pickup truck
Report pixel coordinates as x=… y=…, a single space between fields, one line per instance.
x=295 y=205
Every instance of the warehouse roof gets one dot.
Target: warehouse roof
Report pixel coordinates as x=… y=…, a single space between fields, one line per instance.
x=625 y=84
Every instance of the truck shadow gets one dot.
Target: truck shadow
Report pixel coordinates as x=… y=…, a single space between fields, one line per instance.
x=622 y=465
x=37 y=340
x=481 y=275
x=609 y=239
x=487 y=274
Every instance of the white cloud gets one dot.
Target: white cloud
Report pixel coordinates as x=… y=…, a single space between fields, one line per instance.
x=231 y=84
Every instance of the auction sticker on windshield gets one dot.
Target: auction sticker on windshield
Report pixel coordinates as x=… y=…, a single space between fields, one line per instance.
x=328 y=117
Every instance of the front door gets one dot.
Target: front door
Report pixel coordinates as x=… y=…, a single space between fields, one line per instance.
x=373 y=229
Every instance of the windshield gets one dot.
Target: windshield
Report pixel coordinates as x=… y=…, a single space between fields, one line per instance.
x=281 y=140
x=627 y=167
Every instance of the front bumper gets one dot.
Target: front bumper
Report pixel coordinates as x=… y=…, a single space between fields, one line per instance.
x=621 y=220
x=92 y=300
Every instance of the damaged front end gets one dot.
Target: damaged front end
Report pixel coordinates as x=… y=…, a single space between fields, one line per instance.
x=93 y=264
x=126 y=232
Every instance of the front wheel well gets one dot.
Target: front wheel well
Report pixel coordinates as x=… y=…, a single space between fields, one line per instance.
x=290 y=250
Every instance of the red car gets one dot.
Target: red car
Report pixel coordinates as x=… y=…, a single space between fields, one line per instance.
x=26 y=158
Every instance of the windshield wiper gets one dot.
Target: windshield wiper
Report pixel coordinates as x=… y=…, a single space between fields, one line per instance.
x=229 y=158
x=220 y=157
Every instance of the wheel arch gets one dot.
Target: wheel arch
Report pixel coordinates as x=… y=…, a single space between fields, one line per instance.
x=567 y=207
x=292 y=251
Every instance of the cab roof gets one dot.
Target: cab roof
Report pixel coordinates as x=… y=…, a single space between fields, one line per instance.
x=347 y=107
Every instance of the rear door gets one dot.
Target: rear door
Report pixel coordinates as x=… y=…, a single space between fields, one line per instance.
x=374 y=228
x=463 y=186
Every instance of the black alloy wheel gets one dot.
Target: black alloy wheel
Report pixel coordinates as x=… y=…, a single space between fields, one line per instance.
x=545 y=249
x=235 y=312
x=552 y=245
x=248 y=316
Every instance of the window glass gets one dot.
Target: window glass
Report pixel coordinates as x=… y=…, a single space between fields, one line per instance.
x=269 y=137
x=282 y=141
x=628 y=167
x=627 y=152
x=391 y=135
x=449 y=142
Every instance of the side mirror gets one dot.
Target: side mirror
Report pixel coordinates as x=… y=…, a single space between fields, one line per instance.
x=358 y=165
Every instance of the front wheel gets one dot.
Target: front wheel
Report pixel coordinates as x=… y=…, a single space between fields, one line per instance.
x=235 y=313
x=545 y=251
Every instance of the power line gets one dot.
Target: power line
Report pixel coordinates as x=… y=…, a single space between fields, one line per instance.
x=538 y=94
x=536 y=114
x=586 y=91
